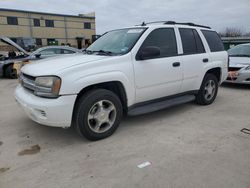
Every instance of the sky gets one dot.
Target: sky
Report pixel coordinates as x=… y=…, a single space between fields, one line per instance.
x=114 y=14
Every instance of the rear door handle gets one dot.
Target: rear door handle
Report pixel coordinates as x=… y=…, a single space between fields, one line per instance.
x=176 y=64
x=205 y=60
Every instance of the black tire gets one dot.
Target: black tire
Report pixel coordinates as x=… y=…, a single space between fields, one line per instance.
x=202 y=97
x=83 y=107
x=10 y=72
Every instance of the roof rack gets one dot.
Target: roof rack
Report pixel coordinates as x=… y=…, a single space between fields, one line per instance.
x=175 y=23
x=187 y=23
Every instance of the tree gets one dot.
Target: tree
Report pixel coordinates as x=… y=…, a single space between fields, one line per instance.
x=232 y=32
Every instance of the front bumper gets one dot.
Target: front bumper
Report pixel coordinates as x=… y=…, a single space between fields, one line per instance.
x=242 y=77
x=52 y=112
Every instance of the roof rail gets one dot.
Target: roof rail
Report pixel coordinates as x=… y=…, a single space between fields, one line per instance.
x=175 y=23
x=186 y=23
x=144 y=23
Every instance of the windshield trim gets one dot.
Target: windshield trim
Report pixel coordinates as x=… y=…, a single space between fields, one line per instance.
x=121 y=54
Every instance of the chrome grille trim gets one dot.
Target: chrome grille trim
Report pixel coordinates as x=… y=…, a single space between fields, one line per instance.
x=26 y=82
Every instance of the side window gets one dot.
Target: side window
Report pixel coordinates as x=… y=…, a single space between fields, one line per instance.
x=164 y=39
x=191 y=41
x=64 y=51
x=199 y=45
x=51 y=51
x=214 y=42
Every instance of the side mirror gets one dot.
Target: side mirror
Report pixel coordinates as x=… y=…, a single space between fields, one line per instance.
x=38 y=55
x=149 y=52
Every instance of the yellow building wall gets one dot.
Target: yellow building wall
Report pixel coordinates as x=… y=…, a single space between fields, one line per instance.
x=74 y=25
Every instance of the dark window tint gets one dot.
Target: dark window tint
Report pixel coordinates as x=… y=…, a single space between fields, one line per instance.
x=199 y=45
x=49 y=23
x=12 y=20
x=36 y=22
x=87 y=25
x=39 y=42
x=191 y=41
x=213 y=40
x=164 y=39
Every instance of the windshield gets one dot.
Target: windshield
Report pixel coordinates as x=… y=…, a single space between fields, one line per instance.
x=240 y=51
x=116 y=42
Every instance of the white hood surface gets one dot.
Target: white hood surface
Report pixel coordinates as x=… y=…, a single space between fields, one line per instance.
x=51 y=66
x=239 y=61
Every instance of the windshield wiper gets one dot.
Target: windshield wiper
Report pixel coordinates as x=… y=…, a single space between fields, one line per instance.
x=103 y=52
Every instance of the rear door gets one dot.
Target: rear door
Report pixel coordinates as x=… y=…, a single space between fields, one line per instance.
x=193 y=58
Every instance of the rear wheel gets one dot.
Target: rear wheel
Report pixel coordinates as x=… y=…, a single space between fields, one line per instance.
x=208 y=90
x=98 y=114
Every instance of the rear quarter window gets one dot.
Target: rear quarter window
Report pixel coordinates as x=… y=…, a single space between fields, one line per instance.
x=213 y=39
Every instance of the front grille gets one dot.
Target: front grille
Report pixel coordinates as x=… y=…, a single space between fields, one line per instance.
x=234 y=68
x=28 y=82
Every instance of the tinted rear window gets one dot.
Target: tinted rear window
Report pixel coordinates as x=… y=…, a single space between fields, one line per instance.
x=213 y=40
x=191 y=41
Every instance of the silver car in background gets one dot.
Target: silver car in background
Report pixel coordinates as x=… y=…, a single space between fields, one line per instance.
x=239 y=64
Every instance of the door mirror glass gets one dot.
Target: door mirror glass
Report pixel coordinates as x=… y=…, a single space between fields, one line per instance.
x=149 y=52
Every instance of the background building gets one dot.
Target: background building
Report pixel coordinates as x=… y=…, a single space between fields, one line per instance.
x=48 y=28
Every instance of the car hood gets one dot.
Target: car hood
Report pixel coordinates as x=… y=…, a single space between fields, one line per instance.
x=53 y=65
x=239 y=61
x=8 y=41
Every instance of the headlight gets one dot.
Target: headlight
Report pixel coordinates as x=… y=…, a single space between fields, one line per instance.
x=47 y=86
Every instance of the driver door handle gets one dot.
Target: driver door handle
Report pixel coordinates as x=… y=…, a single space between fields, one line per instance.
x=176 y=64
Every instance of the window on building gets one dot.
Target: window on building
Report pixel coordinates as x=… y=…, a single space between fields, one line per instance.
x=51 y=41
x=214 y=42
x=36 y=22
x=87 y=25
x=164 y=39
x=39 y=42
x=191 y=41
x=12 y=20
x=49 y=23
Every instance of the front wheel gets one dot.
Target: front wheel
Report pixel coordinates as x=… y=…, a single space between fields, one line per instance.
x=10 y=72
x=98 y=114
x=208 y=90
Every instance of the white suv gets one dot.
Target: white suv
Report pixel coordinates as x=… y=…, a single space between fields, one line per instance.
x=127 y=71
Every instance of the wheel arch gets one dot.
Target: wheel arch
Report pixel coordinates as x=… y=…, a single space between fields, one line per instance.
x=115 y=86
x=217 y=71
x=5 y=66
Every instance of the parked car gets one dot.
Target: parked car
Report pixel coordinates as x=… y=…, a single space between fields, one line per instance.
x=239 y=66
x=10 y=66
x=7 y=59
x=129 y=71
x=41 y=53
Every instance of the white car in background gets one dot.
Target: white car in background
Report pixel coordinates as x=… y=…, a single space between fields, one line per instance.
x=239 y=64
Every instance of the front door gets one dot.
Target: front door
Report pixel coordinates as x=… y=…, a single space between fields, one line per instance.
x=160 y=76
